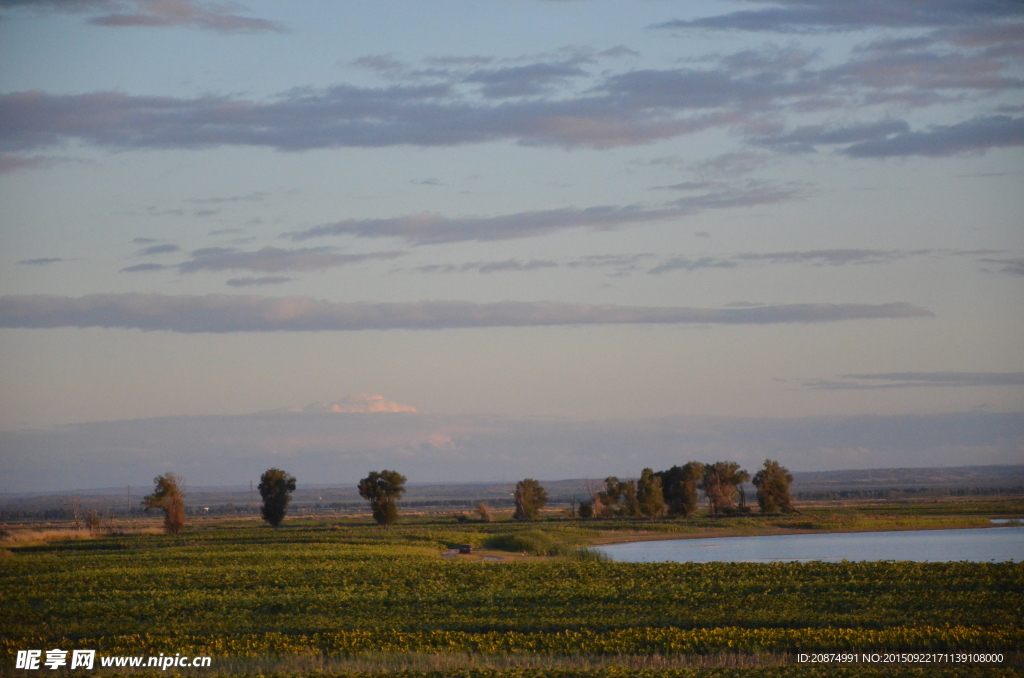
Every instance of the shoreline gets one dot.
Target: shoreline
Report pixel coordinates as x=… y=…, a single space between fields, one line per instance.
x=726 y=534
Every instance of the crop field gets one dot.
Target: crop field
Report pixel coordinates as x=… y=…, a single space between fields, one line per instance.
x=337 y=591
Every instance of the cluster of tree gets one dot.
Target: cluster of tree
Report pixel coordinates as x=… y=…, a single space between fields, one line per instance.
x=674 y=491
x=627 y=498
x=677 y=491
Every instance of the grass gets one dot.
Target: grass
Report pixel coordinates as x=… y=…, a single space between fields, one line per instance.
x=342 y=596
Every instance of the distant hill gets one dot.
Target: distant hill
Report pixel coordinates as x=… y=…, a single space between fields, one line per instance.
x=897 y=478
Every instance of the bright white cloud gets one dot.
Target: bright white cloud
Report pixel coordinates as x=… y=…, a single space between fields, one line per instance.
x=360 y=403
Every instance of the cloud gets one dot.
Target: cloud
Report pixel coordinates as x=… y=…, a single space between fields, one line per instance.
x=917 y=380
x=166 y=248
x=255 y=196
x=473 y=60
x=215 y=16
x=335 y=117
x=688 y=186
x=264 y=280
x=894 y=137
x=360 y=403
x=431 y=228
x=382 y=63
x=562 y=99
x=43 y=261
x=971 y=136
x=805 y=139
x=685 y=89
x=730 y=165
x=685 y=264
x=487 y=266
x=770 y=57
x=10 y=163
x=144 y=268
x=619 y=51
x=969 y=51
x=1011 y=266
x=517 y=81
x=622 y=263
x=795 y=16
x=273 y=259
x=428 y=227
x=250 y=313
x=833 y=257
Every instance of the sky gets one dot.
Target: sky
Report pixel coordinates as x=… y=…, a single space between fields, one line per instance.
x=555 y=238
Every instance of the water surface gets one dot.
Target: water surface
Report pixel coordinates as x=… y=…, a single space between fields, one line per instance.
x=977 y=545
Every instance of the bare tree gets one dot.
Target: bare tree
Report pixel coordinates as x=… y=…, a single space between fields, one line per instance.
x=589 y=507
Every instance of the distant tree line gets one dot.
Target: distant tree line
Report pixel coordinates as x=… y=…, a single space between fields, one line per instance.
x=677 y=491
x=117 y=509
x=902 y=492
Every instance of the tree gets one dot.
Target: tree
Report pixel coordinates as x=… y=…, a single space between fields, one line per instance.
x=649 y=495
x=383 y=490
x=720 y=482
x=772 y=483
x=530 y=498
x=618 y=498
x=276 y=488
x=629 y=504
x=679 y=487
x=606 y=499
x=167 y=497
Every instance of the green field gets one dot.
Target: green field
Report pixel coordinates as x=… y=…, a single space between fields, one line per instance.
x=334 y=594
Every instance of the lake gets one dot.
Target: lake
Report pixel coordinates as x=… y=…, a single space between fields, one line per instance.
x=977 y=545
